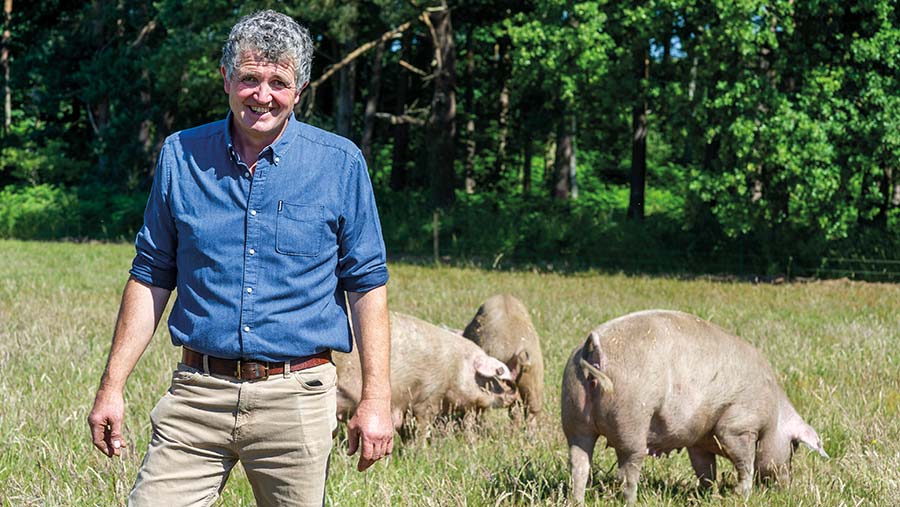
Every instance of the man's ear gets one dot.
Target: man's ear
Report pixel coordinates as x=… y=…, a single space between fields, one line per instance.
x=227 y=83
x=299 y=91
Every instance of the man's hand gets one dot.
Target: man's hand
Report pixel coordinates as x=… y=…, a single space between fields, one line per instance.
x=371 y=427
x=105 y=421
x=371 y=430
x=140 y=311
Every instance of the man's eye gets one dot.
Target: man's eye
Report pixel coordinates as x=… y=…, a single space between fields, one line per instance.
x=249 y=80
x=279 y=84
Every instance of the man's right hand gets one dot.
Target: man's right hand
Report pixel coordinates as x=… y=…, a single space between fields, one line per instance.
x=140 y=311
x=105 y=421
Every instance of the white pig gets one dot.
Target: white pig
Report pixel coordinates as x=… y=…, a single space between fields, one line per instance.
x=503 y=328
x=656 y=381
x=433 y=372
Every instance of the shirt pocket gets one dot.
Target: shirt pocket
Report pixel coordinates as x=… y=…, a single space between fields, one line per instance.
x=299 y=229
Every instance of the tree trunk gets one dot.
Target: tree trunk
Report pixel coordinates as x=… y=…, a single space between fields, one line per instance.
x=527 y=154
x=344 y=121
x=442 y=122
x=895 y=200
x=762 y=184
x=502 y=53
x=639 y=137
x=400 y=131
x=372 y=106
x=573 y=175
x=885 y=201
x=471 y=147
x=98 y=112
x=145 y=131
x=550 y=161
x=565 y=159
x=4 y=62
x=687 y=153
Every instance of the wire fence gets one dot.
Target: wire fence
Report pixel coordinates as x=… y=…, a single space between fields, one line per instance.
x=881 y=270
x=739 y=261
x=734 y=265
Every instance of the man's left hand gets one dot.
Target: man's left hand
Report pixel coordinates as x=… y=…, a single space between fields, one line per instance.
x=372 y=431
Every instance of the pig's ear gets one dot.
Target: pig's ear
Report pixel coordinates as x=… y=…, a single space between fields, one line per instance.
x=490 y=367
x=523 y=358
x=807 y=436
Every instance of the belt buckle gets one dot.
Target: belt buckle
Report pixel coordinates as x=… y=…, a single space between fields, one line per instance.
x=257 y=370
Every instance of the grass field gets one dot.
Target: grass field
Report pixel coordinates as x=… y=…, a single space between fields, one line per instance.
x=834 y=346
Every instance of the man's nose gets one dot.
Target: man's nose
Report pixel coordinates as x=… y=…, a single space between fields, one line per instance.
x=263 y=93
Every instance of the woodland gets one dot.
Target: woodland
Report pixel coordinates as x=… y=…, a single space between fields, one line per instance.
x=755 y=138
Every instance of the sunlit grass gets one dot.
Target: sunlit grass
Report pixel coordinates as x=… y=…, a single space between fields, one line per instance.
x=834 y=346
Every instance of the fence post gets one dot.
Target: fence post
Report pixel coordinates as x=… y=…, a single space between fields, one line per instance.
x=435 y=228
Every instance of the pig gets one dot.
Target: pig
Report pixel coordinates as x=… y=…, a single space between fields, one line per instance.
x=433 y=372
x=503 y=328
x=656 y=381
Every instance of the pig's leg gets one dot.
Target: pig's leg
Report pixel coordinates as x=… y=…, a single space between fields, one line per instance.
x=704 y=464
x=516 y=413
x=630 y=471
x=424 y=416
x=471 y=419
x=397 y=418
x=581 y=450
x=741 y=450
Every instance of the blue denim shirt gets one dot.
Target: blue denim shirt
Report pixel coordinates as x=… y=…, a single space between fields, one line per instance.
x=260 y=262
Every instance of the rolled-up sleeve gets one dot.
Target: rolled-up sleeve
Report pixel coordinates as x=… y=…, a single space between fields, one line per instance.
x=362 y=264
x=156 y=242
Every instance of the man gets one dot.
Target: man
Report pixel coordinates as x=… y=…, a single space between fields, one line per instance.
x=263 y=224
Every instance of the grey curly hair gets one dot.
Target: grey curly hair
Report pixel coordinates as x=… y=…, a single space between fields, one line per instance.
x=274 y=36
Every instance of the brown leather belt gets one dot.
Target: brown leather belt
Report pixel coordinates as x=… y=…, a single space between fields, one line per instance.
x=250 y=370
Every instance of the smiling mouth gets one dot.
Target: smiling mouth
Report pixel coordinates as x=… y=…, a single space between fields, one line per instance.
x=260 y=110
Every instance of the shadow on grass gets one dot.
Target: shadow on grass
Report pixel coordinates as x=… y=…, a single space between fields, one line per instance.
x=658 y=485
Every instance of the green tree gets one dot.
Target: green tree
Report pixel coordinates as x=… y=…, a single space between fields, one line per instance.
x=559 y=51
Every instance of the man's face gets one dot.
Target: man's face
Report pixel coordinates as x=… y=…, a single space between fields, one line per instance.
x=262 y=96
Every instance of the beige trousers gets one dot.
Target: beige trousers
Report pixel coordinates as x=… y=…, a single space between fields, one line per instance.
x=280 y=429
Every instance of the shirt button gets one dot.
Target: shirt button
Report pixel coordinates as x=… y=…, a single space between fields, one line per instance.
x=277 y=160
x=249 y=290
x=252 y=252
x=253 y=212
x=246 y=175
x=246 y=329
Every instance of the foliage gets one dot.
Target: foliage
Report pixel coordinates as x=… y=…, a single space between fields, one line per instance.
x=39 y=212
x=774 y=127
x=38 y=159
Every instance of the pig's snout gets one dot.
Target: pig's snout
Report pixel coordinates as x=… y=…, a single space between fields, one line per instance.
x=502 y=392
x=498 y=385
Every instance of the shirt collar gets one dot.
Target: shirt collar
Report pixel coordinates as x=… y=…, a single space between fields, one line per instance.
x=275 y=151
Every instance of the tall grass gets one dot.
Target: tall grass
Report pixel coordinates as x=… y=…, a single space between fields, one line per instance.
x=834 y=346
